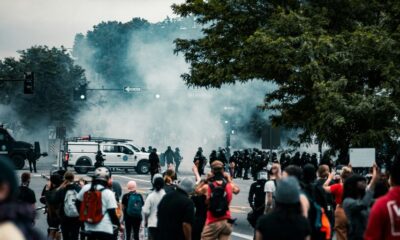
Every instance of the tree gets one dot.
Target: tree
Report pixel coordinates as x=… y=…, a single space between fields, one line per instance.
x=335 y=63
x=55 y=77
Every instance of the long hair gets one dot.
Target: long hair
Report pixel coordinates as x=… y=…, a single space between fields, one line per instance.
x=350 y=189
x=158 y=184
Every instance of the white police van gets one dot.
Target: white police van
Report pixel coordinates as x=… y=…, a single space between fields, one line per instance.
x=80 y=153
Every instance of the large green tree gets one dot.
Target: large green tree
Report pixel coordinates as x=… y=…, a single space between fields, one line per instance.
x=335 y=63
x=55 y=77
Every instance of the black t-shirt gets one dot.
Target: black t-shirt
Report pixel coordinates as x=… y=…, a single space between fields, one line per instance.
x=174 y=209
x=26 y=195
x=257 y=194
x=274 y=226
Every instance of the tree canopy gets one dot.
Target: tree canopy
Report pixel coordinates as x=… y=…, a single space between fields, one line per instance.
x=335 y=63
x=55 y=77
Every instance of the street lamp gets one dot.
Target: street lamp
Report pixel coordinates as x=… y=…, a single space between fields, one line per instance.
x=157 y=96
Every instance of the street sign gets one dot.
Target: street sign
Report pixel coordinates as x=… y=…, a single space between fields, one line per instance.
x=132 y=89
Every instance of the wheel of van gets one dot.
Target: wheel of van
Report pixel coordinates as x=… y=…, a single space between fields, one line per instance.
x=143 y=167
x=82 y=165
x=19 y=161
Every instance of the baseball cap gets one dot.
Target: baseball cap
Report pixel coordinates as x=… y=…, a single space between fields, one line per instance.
x=102 y=173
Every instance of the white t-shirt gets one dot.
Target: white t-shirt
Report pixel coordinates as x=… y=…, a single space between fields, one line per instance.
x=269 y=186
x=108 y=201
x=151 y=205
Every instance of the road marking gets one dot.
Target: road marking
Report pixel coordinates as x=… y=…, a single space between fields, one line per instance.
x=131 y=178
x=244 y=236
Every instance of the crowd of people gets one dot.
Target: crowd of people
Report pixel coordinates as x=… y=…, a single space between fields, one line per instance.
x=287 y=201
x=308 y=202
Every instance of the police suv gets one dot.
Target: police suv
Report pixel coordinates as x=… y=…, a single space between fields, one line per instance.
x=80 y=153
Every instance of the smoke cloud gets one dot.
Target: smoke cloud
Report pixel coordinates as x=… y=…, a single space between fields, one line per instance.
x=166 y=112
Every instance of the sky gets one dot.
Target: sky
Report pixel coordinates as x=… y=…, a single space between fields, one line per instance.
x=24 y=23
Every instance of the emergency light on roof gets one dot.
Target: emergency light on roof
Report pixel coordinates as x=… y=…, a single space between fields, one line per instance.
x=97 y=139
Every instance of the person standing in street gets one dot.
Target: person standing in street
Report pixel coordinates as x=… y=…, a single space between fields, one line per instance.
x=286 y=220
x=176 y=213
x=32 y=164
x=150 y=207
x=16 y=218
x=337 y=191
x=169 y=157
x=177 y=159
x=200 y=161
x=132 y=203
x=25 y=194
x=257 y=197
x=69 y=212
x=384 y=218
x=98 y=207
x=270 y=187
x=154 y=163
x=218 y=192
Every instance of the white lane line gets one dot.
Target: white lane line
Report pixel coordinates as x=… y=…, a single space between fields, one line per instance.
x=131 y=178
x=244 y=236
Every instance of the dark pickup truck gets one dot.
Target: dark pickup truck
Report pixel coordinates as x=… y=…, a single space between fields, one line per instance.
x=18 y=151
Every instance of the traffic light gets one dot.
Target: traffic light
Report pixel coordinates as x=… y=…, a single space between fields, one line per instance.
x=80 y=93
x=29 y=79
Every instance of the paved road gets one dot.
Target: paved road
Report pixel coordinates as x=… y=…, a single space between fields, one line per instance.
x=239 y=208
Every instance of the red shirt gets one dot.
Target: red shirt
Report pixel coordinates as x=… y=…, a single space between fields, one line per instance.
x=337 y=192
x=384 y=218
x=210 y=217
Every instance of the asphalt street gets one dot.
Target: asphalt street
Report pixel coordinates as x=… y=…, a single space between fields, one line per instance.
x=239 y=206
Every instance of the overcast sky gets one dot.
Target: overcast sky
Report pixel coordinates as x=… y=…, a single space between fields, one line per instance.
x=24 y=23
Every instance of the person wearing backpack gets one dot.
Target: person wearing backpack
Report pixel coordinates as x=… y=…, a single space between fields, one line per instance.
x=218 y=194
x=67 y=195
x=132 y=204
x=319 y=221
x=98 y=207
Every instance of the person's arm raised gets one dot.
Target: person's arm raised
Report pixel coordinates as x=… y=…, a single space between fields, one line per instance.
x=327 y=182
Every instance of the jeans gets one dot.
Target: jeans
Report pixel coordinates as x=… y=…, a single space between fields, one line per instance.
x=132 y=225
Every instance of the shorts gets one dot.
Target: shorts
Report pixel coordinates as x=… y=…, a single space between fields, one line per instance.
x=217 y=230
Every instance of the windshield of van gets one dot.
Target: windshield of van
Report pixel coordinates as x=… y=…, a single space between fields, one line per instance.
x=134 y=148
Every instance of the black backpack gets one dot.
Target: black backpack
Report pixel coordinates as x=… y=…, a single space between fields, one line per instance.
x=218 y=204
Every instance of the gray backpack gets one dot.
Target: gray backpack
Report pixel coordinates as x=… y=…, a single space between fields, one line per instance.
x=70 y=209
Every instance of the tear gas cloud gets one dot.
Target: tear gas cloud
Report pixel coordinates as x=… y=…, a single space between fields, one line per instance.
x=166 y=112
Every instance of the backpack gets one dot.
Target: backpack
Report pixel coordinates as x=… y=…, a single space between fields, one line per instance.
x=135 y=204
x=70 y=208
x=91 y=210
x=218 y=204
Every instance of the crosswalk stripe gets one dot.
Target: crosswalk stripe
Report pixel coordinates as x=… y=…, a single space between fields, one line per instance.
x=244 y=236
x=131 y=178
